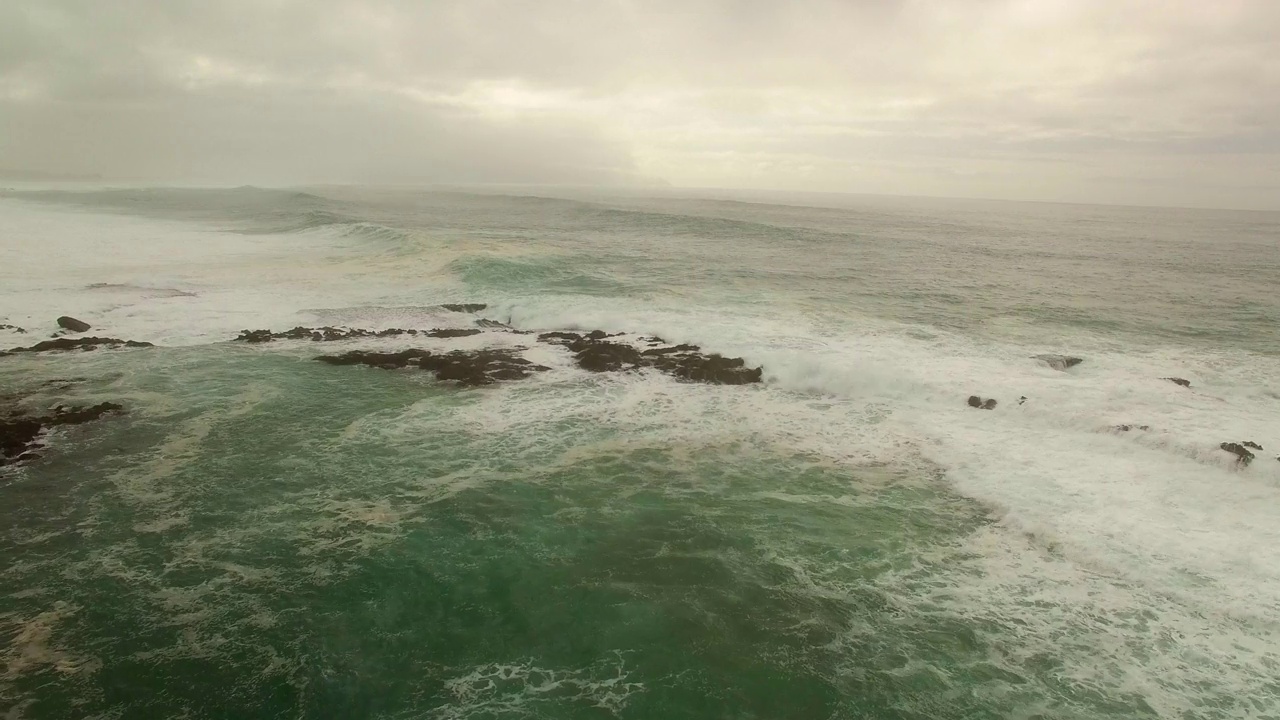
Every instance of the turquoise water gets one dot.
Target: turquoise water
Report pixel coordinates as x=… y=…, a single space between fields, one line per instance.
x=267 y=536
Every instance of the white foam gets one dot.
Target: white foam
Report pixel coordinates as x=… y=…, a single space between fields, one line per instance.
x=1162 y=519
x=176 y=283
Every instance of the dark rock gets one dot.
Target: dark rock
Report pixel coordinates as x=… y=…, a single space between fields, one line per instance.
x=21 y=435
x=1250 y=444
x=559 y=338
x=14 y=328
x=464 y=307
x=467 y=368
x=18 y=436
x=1022 y=399
x=448 y=333
x=320 y=334
x=255 y=336
x=492 y=324
x=1059 y=362
x=595 y=353
x=76 y=415
x=669 y=350
x=88 y=343
x=72 y=324
x=1244 y=457
x=981 y=404
x=1178 y=381
x=1127 y=428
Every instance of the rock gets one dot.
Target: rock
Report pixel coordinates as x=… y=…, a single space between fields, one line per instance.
x=13 y=328
x=990 y=404
x=493 y=324
x=21 y=435
x=595 y=353
x=72 y=324
x=1022 y=400
x=1127 y=428
x=1250 y=444
x=88 y=343
x=1059 y=362
x=467 y=368
x=330 y=334
x=1178 y=381
x=320 y=334
x=975 y=401
x=464 y=307
x=18 y=437
x=1244 y=457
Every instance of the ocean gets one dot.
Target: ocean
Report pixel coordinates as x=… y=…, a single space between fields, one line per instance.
x=260 y=535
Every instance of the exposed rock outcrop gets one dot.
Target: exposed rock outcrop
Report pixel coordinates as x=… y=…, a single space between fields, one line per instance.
x=1243 y=456
x=467 y=368
x=454 y=333
x=13 y=328
x=85 y=343
x=1059 y=362
x=1127 y=428
x=320 y=334
x=330 y=334
x=21 y=435
x=1178 y=381
x=977 y=402
x=72 y=324
x=464 y=307
x=594 y=352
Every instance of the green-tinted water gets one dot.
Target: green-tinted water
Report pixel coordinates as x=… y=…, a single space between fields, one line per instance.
x=265 y=536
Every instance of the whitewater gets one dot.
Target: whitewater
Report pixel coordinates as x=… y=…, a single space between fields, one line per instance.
x=262 y=535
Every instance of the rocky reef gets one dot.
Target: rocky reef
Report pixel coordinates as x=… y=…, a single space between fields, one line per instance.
x=595 y=352
x=466 y=368
x=86 y=343
x=23 y=434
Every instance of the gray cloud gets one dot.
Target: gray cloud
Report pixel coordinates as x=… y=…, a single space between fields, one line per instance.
x=1146 y=101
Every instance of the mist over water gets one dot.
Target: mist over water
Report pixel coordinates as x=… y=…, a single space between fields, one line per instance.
x=267 y=536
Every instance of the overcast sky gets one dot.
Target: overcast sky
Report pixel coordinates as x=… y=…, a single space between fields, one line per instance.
x=1167 y=102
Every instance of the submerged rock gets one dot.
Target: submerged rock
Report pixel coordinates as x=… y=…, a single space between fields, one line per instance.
x=1178 y=381
x=467 y=368
x=464 y=307
x=88 y=343
x=595 y=353
x=1244 y=457
x=72 y=324
x=1059 y=362
x=21 y=434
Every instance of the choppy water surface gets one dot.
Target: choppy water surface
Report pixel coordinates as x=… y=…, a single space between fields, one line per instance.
x=266 y=536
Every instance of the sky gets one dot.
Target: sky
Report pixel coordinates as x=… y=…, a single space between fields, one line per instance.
x=1153 y=102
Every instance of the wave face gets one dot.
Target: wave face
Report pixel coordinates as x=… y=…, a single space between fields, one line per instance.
x=262 y=535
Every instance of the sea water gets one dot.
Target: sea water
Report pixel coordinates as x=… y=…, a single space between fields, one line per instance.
x=265 y=536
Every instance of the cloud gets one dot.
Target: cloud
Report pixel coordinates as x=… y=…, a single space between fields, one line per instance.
x=1171 y=101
